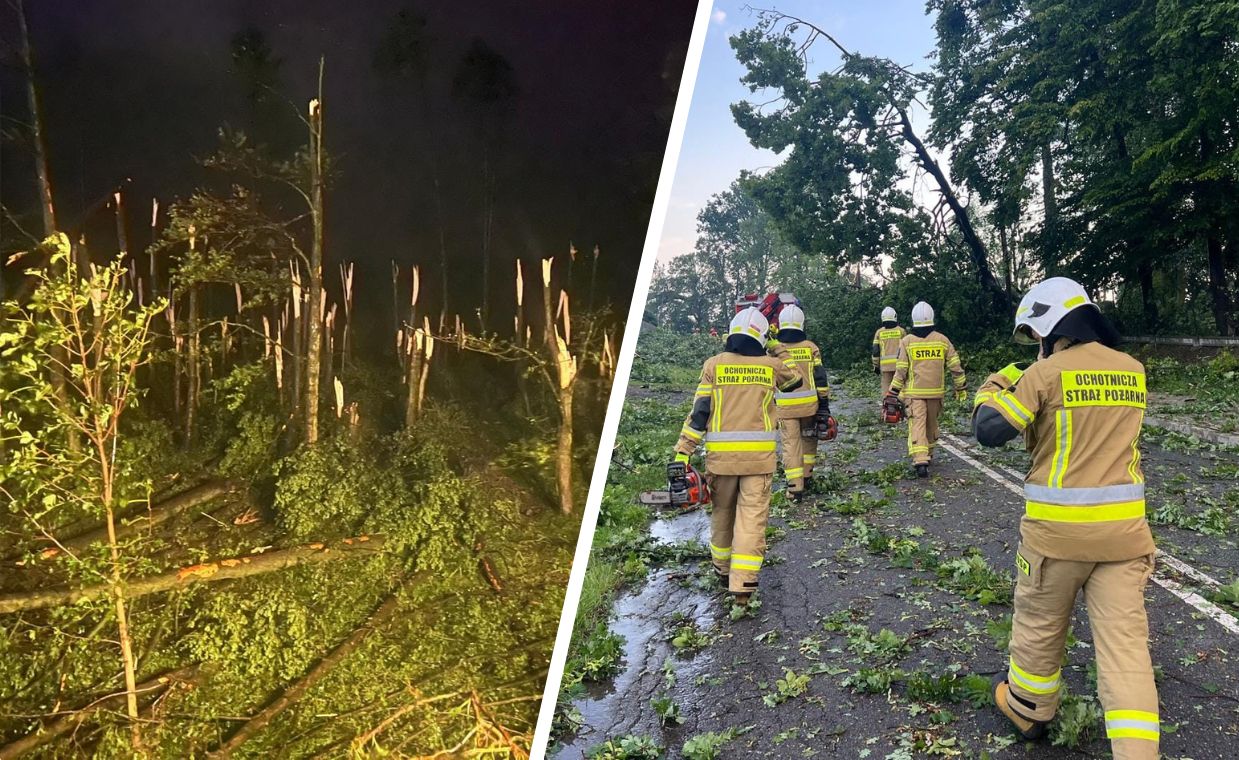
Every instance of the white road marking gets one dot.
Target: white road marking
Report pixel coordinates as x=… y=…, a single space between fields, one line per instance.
x=1206 y=607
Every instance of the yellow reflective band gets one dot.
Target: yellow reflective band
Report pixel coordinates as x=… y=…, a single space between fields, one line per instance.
x=681 y=457
x=1132 y=733
x=810 y=459
x=720 y=552
x=1062 y=448
x=1012 y=373
x=1018 y=410
x=688 y=432
x=716 y=412
x=1035 y=684
x=765 y=410
x=1132 y=724
x=794 y=472
x=1133 y=469
x=914 y=392
x=981 y=398
x=704 y=389
x=795 y=400
x=1103 y=388
x=1073 y=302
x=746 y=561
x=741 y=445
x=1129 y=510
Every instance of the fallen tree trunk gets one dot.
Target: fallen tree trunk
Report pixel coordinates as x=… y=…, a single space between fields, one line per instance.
x=147 y=519
x=62 y=725
x=210 y=572
x=293 y=693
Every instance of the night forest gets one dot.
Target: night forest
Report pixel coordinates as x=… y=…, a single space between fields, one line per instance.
x=309 y=321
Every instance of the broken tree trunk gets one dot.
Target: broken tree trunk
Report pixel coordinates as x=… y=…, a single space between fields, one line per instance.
x=976 y=248
x=314 y=332
x=209 y=572
x=48 y=732
x=293 y=693
x=147 y=519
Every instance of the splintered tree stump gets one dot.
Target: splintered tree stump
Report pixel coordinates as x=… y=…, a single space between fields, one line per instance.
x=209 y=572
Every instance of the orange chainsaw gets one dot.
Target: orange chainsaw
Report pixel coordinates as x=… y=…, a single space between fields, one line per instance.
x=686 y=489
x=892 y=410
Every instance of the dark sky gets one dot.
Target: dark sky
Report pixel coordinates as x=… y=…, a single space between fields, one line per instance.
x=137 y=88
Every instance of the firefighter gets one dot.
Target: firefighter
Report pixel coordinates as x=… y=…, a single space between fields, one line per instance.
x=886 y=348
x=800 y=410
x=733 y=414
x=1080 y=407
x=925 y=356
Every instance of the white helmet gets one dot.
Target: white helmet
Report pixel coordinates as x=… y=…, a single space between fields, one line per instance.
x=1045 y=305
x=791 y=317
x=889 y=315
x=750 y=322
x=922 y=315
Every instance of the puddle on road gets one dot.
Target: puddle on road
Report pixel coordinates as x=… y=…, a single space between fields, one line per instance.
x=622 y=705
x=688 y=526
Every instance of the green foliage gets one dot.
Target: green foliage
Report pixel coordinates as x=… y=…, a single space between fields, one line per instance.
x=401 y=486
x=883 y=646
x=672 y=359
x=708 y=746
x=792 y=684
x=667 y=710
x=626 y=748
x=1079 y=719
x=973 y=578
x=872 y=680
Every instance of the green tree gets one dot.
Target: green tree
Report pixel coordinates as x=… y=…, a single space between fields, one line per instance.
x=839 y=191
x=87 y=326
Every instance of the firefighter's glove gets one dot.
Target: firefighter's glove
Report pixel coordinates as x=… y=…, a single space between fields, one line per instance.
x=961 y=395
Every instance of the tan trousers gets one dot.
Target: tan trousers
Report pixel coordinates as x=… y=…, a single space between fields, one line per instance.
x=738 y=527
x=922 y=427
x=1045 y=593
x=887 y=377
x=799 y=453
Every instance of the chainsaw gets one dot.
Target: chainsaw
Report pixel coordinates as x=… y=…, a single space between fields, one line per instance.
x=686 y=489
x=892 y=410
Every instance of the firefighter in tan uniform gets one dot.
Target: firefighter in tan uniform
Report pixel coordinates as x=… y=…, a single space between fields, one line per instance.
x=800 y=410
x=925 y=357
x=734 y=416
x=886 y=348
x=1080 y=407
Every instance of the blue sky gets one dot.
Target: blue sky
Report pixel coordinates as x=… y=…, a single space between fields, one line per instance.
x=715 y=150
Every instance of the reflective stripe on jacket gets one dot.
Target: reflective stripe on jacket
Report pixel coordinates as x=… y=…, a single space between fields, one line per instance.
x=1081 y=411
x=803 y=401
x=920 y=370
x=886 y=347
x=733 y=413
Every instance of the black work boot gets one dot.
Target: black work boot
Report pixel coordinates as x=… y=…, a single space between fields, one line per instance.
x=922 y=470
x=1029 y=729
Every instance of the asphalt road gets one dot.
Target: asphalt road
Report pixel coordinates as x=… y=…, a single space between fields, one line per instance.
x=820 y=576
